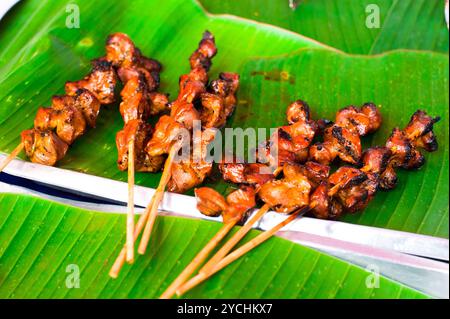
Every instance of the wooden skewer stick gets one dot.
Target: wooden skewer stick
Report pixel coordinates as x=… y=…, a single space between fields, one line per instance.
x=240 y=252
x=157 y=197
x=11 y=156
x=198 y=259
x=120 y=260
x=226 y=248
x=203 y=254
x=130 y=206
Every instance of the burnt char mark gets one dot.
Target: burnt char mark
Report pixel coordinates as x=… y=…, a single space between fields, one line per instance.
x=370 y=104
x=101 y=65
x=385 y=160
x=337 y=134
x=357 y=180
x=429 y=126
x=305 y=108
x=284 y=135
x=352 y=120
x=207 y=36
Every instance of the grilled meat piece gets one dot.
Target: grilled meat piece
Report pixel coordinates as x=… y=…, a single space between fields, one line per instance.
x=419 y=125
x=43 y=147
x=188 y=173
x=67 y=121
x=101 y=82
x=207 y=49
x=209 y=201
x=242 y=173
x=289 y=193
x=342 y=139
x=290 y=143
x=338 y=142
x=219 y=102
x=361 y=121
x=404 y=154
x=83 y=100
x=298 y=111
x=315 y=172
x=184 y=113
x=325 y=207
x=237 y=203
x=135 y=103
x=376 y=159
x=140 y=132
x=124 y=55
x=166 y=132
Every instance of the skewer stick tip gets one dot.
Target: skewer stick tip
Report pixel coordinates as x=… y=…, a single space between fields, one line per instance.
x=130 y=207
x=11 y=156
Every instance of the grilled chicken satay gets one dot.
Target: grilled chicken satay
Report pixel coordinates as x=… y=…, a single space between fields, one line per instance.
x=309 y=187
x=190 y=172
x=290 y=144
x=233 y=208
x=217 y=101
x=140 y=76
x=182 y=110
x=57 y=127
x=209 y=202
x=342 y=139
x=349 y=189
x=183 y=114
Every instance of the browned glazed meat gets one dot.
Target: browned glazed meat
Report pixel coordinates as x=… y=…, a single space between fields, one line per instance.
x=101 y=82
x=84 y=101
x=43 y=147
x=289 y=193
x=343 y=138
x=166 y=132
x=234 y=207
x=209 y=201
x=190 y=172
x=139 y=131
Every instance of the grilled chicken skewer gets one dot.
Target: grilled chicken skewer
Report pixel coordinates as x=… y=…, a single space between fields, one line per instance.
x=342 y=139
x=211 y=203
x=293 y=141
x=356 y=186
x=216 y=103
x=182 y=116
x=140 y=76
x=57 y=127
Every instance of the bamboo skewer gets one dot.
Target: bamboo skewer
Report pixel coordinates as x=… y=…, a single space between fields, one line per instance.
x=201 y=256
x=239 y=234
x=240 y=252
x=120 y=260
x=11 y=156
x=226 y=248
x=130 y=206
x=198 y=259
x=157 y=197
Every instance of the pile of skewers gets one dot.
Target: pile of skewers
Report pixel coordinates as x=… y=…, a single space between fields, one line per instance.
x=292 y=174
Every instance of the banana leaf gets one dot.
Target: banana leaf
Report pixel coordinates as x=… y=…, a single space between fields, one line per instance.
x=404 y=24
x=50 y=250
x=399 y=82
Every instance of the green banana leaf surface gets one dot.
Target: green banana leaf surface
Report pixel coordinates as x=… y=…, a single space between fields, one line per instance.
x=50 y=250
x=392 y=24
x=36 y=65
